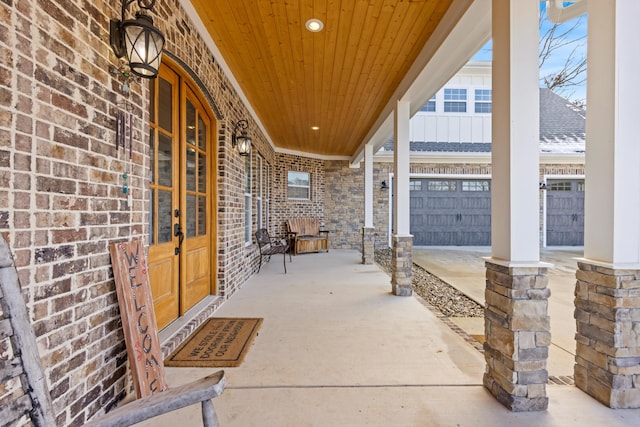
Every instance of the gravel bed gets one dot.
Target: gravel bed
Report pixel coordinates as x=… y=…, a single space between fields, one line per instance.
x=444 y=297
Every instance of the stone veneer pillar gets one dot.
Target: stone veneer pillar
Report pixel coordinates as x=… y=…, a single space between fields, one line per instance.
x=608 y=334
x=368 y=245
x=401 y=266
x=517 y=331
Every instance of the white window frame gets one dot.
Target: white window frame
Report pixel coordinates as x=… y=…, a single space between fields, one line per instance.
x=431 y=106
x=259 y=190
x=247 y=201
x=308 y=187
x=455 y=98
x=267 y=196
x=482 y=100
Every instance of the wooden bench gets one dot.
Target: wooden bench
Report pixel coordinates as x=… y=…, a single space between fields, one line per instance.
x=29 y=399
x=306 y=236
x=268 y=246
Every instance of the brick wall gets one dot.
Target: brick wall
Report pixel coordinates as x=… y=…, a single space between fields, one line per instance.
x=282 y=207
x=61 y=199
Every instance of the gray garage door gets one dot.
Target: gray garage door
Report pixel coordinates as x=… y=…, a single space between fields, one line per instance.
x=450 y=212
x=565 y=212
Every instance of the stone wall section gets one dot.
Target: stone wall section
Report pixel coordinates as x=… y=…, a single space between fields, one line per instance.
x=344 y=204
x=368 y=245
x=607 y=317
x=402 y=266
x=517 y=328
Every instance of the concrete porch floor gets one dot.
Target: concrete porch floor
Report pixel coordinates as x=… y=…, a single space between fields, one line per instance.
x=337 y=349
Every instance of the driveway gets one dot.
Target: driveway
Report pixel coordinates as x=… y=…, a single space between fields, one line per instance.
x=463 y=268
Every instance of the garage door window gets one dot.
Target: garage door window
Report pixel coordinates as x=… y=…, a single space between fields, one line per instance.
x=560 y=186
x=441 y=185
x=475 y=185
x=415 y=185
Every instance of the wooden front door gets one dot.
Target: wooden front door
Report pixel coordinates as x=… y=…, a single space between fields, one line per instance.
x=181 y=243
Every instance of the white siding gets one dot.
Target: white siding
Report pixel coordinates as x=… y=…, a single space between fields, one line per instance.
x=457 y=127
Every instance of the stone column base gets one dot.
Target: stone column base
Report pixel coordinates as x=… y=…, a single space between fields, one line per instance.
x=401 y=266
x=517 y=332
x=368 y=245
x=608 y=334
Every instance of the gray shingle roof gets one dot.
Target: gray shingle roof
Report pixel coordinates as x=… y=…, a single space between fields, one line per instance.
x=562 y=124
x=562 y=130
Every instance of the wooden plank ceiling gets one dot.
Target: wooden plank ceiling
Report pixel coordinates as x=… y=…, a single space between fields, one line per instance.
x=338 y=79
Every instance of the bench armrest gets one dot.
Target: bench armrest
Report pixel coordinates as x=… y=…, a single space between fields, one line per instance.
x=166 y=401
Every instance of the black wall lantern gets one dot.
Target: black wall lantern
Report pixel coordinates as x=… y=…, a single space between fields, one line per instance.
x=242 y=142
x=138 y=40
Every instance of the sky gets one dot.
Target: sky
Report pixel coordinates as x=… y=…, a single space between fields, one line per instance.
x=557 y=60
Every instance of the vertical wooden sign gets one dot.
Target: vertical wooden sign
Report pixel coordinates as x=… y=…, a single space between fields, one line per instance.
x=138 y=318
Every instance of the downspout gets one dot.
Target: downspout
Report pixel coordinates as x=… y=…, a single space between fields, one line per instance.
x=558 y=13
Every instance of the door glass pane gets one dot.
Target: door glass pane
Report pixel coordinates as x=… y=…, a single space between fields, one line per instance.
x=202 y=134
x=191 y=215
x=191 y=123
x=152 y=225
x=152 y=155
x=191 y=169
x=202 y=173
x=202 y=216
x=164 y=216
x=165 y=105
x=165 y=160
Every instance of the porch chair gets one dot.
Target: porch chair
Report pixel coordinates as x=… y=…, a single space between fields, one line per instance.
x=31 y=397
x=268 y=246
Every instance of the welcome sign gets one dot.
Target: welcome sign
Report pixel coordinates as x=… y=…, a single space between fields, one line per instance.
x=138 y=318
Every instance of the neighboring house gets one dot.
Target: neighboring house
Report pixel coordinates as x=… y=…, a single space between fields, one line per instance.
x=451 y=165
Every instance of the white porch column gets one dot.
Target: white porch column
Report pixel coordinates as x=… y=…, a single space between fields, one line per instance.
x=607 y=304
x=368 y=231
x=401 y=261
x=516 y=320
x=612 y=167
x=368 y=186
x=515 y=153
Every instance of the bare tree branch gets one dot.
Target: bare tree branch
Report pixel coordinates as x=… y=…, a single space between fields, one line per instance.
x=572 y=73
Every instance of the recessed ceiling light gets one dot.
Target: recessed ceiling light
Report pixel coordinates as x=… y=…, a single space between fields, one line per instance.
x=314 y=25
x=315 y=127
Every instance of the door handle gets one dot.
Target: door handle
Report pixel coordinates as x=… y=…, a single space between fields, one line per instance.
x=177 y=231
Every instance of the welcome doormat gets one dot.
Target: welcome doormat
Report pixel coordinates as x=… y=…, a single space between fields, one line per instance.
x=218 y=342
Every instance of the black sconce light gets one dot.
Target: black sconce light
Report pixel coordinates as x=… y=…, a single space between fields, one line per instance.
x=242 y=142
x=543 y=186
x=138 y=40
x=384 y=186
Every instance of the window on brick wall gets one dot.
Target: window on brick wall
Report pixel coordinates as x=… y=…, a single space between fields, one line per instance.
x=298 y=185
x=267 y=195
x=259 y=194
x=247 y=200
